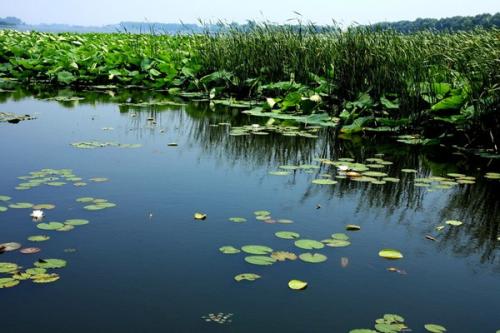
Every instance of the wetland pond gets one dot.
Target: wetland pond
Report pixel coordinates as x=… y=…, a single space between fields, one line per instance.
x=123 y=180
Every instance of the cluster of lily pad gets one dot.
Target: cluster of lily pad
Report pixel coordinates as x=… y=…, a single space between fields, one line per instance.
x=13 y=274
x=445 y=183
x=94 y=204
x=50 y=177
x=393 y=323
x=290 y=131
x=98 y=144
x=67 y=225
x=220 y=318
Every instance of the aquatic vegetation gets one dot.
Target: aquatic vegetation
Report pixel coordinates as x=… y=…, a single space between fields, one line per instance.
x=50 y=263
x=297 y=285
x=309 y=244
x=256 y=249
x=9 y=247
x=229 y=250
x=287 y=235
x=14 y=118
x=219 y=318
x=30 y=250
x=390 y=254
x=260 y=260
x=38 y=238
x=454 y=223
x=314 y=258
x=97 y=144
x=284 y=256
x=237 y=219
x=200 y=216
x=389 y=323
x=246 y=277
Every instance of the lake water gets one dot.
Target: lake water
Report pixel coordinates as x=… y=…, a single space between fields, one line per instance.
x=148 y=266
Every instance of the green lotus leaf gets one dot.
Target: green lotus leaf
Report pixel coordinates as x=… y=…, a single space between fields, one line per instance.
x=85 y=199
x=454 y=223
x=434 y=328
x=237 y=219
x=390 y=254
x=391 y=180
x=45 y=278
x=246 y=277
x=21 y=276
x=324 y=182
x=387 y=328
x=287 y=235
x=297 y=285
x=4 y=198
x=409 y=171
x=56 y=184
x=8 y=283
x=285 y=221
x=50 y=263
x=44 y=206
x=66 y=228
x=260 y=260
x=336 y=243
x=309 y=244
x=76 y=222
x=8 y=267
x=3 y=209
x=280 y=173
x=374 y=174
x=21 y=205
x=99 y=179
x=262 y=213
x=36 y=271
x=229 y=250
x=352 y=227
x=38 y=238
x=314 y=258
x=340 y=237
x=50 y=226
x=256 y=249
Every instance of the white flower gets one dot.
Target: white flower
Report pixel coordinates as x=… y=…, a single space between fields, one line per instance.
x=37 y=214
x=343 y=167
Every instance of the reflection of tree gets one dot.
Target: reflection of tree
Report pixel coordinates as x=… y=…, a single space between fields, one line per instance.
x=478 y=205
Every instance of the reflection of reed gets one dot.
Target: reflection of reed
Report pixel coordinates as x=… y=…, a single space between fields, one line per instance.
x=478 y=205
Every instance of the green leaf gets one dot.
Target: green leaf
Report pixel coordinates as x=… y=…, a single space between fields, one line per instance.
x=287 y=235
x=65 y=77
x=50 y=263
x=390 y=254
x=313 y=258
x=309 y=244
x=260 y=260
x=297 y=285
x=450 y=103
x=434 y=328
x=247 y=277
x=229 y=250
x=256 y=249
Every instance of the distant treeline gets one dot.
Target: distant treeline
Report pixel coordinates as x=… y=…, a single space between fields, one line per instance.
x=456 y=23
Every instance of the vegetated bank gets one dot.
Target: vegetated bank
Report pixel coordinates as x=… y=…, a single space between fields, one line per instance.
x=427 y=87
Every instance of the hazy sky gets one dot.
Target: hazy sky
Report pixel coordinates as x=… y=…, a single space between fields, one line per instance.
x=100 y=12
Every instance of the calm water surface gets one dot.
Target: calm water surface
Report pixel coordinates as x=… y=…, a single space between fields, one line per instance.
x=133 y=272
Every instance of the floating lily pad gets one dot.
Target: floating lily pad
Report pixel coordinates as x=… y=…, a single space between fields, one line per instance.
x=99 y=179
x=50 y=226
x=390 y=254
x=309 y=244
x=8 y=247
x=21 y=276
x=434 y=328
x=409 y=171
x=283 y=256
x=324 y=182
x=4 y=198
x=454 y=223
x=85 y=199
x=8 y=267
x=247 y=277
x=285 y=221
x=297 y=285
x=362 y=330
x=260 y=260
x=200 y=216
x=21 y=205
x=352 y=227
x=238 y=219
x=8 y=283
x=30 y=250
x=340 y=237
x=262 y=213
x=38 y=238
x=3 y=209
x=336 y=243
x=374 y=174
x=280 y=173
x=314 y=258
x=66 y=228
x=56 y=184
x=44 y=206
x=45 y=278
x=391 y=180
x=287 y=235
x=256 y=249
x=36 y=271
x=50 y=263
x=76 y=222
x=229 y=250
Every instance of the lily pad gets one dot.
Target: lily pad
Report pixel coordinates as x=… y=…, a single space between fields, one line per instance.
x=8 y=283
x=287 y=235
x=390 y=254
x=36 y=271
x=45 y=278
x=238 y=219
x=283 y=256
x=260 y=260
x=76 y=222
x=297 y=285
x=66 y=227
x=336 y=243
x=409 y=171
x=50 y=226
x=374 y=174
x=256 y=249
x=85 y=199
x=8 y=247
x=247 y=277
x=434 y=328
x=8 y=267
x=99 y=179
x=340 y=237
x=38 y=238
x=314 y=258
x=229 y=250
x=4 y=198
x=30 y=250
x=324 y=182
x=262 y=213
x=3 y=209
x=21 y=205
x=309 y=244
x=280 y=173
x=50 y=263
x=352 y=227
x=44 y=206
x=200 y=216
x=454 y=223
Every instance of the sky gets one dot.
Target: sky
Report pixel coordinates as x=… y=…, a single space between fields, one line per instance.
x=102 y=12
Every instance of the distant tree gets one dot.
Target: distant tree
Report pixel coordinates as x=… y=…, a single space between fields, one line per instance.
x=10 y=21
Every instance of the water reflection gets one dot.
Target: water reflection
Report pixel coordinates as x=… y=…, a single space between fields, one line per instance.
x=478 y=205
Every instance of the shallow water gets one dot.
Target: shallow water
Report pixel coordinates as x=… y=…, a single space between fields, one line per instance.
x=148 y=266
